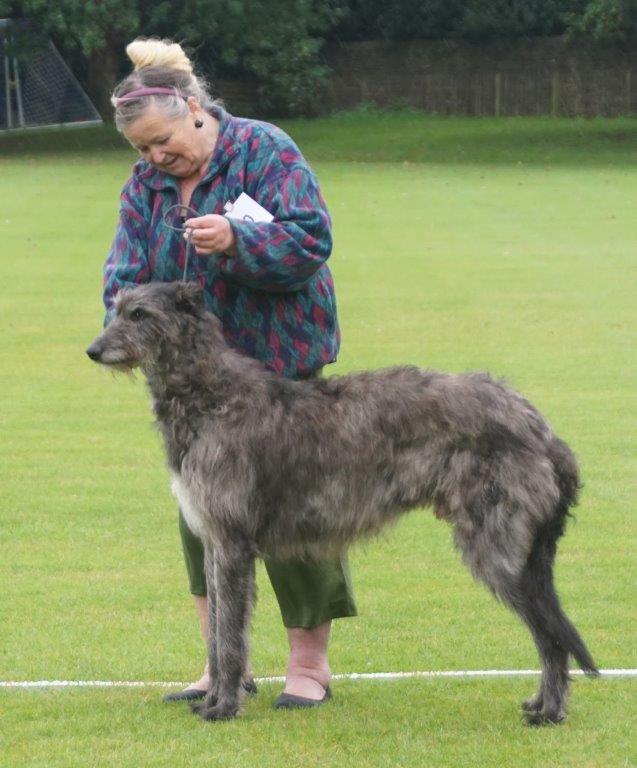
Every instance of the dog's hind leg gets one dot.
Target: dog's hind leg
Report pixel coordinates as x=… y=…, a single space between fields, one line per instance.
x=535 y=601
x=530 y=592
x=555 y=636
x=234 y=595
x=526 y=586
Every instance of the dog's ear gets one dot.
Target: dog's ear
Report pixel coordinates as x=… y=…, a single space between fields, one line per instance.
x=189 y=298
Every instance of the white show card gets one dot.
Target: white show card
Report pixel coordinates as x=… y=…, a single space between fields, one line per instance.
x=247 y=209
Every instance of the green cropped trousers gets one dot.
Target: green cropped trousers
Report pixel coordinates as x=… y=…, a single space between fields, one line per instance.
x=309 y=593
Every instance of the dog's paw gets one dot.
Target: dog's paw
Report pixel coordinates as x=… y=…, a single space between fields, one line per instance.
x=209 y=700
x=215 y=712
x=534 y=704
x=545 y=717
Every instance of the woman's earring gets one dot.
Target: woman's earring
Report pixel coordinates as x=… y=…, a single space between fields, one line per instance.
x=198 y=123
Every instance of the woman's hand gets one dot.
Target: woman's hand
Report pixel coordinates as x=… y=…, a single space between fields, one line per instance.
x=210 y=234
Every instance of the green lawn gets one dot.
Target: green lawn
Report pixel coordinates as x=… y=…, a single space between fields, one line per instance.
x=506 y=246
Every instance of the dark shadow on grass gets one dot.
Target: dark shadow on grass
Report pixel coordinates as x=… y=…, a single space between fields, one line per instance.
x=409 y=136
x=54 y=141
x=402 y=136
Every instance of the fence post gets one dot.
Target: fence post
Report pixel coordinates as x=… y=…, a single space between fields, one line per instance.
x=363 y=90
x=7 y=87
x=555 y=94
x=498 y=94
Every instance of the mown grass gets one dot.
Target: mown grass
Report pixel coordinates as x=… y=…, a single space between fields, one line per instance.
x=464 y=724
x=524 y=270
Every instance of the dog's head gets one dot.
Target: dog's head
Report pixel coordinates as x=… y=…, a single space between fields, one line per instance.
x=148 y=320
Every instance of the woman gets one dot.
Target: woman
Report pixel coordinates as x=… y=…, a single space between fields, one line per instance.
x=267 y=282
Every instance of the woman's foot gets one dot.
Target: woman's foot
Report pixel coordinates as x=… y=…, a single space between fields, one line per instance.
x=308 y=675
x=194 y=691
x=290 y=701
x=199 y=689
x=306 y=686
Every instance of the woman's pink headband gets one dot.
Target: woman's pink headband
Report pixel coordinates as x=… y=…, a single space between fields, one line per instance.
x=139 y=92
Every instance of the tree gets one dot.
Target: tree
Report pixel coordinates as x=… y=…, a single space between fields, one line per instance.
x=485 y=19
x=439 y=19
x=277 y=43
x=607 y=21
x=96 y=29
x=399 y=20
x=282 y=50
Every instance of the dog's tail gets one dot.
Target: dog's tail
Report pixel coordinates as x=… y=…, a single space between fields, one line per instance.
x=567 y=476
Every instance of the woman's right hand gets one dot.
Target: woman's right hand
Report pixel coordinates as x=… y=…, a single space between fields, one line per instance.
x=210 y=234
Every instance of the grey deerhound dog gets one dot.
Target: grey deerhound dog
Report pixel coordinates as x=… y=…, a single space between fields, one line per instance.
x=265 y=465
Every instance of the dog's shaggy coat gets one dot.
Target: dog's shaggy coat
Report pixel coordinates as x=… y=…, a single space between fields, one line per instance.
x=262 y=464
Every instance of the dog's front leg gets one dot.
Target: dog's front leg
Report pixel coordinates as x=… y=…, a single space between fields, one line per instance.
x=211 y=592
x=231 y=607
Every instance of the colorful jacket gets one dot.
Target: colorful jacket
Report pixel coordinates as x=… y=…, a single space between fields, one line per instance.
x=275 y=297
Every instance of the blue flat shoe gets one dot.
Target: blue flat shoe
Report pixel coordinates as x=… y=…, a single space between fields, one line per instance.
x=189 y=694
x=195 y=694
x=290 y=701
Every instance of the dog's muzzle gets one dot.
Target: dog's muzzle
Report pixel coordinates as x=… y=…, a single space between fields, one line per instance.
x=95 y=352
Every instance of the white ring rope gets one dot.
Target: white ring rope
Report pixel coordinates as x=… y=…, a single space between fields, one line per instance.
x=431 y=674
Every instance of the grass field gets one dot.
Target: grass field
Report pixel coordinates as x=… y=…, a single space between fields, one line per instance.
x=506 y=246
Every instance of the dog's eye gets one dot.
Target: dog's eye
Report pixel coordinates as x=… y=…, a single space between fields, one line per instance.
x=137 y=314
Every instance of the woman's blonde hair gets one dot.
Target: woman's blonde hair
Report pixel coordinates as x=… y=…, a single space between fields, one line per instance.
x=153 y=53
x=158 y=64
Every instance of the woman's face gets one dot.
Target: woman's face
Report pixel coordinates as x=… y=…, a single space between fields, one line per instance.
x=174 y=146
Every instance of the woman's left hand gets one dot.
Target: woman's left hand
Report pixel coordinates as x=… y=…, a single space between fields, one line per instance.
x=210 y=234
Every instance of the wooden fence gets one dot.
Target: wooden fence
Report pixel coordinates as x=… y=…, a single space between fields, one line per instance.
x=531 y=77
x=539 y=77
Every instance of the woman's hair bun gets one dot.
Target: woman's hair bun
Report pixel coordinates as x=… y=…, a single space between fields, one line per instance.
x=158 y=53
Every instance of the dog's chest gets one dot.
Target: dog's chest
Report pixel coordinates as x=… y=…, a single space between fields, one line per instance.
x=187 y=505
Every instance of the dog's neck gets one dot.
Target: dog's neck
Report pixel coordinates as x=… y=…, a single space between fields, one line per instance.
x=199 y=369
x=196 y=379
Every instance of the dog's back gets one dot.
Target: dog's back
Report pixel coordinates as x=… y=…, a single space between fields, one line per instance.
x=336 y=459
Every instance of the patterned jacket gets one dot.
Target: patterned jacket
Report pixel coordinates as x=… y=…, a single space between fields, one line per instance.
x=275 y=297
